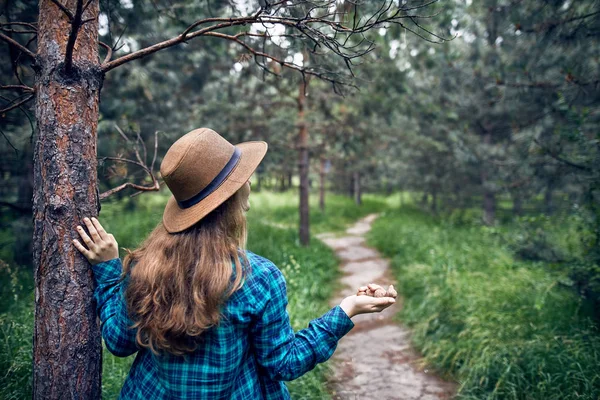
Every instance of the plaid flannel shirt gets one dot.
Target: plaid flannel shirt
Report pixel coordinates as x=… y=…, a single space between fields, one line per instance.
x=247 y=356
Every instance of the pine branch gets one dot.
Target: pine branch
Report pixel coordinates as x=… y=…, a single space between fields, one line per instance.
x=17 y=45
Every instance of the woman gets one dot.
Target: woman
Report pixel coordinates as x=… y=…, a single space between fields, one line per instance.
x=207 y=318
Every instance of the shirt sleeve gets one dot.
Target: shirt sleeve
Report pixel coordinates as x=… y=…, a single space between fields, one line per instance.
x=286 y=355
x=112 y=309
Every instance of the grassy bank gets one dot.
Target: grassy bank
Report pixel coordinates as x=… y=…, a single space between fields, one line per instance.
x=504 y=328
x=310 y=272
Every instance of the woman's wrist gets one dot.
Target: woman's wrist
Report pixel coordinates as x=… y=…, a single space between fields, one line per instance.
x=347 y=305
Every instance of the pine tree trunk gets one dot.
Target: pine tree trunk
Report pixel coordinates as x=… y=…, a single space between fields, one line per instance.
x=303 y=165
x=322 y=184
x=357 y=188
x=66 y=344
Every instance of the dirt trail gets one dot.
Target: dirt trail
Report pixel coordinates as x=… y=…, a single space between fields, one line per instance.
x=375 y=360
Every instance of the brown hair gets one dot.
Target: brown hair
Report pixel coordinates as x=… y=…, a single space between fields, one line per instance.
x=179 y=281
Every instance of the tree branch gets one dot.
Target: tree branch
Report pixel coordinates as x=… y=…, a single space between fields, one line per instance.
x=18 y=45
x=155 y=186
x=76 y=23
x=64 y=9
x=109 y=52
x=9 y=143
x=18 y=87
x=557 y=157
x=325 y=31
x=15 y=105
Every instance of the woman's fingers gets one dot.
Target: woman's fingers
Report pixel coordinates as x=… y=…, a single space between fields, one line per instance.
x=391 y=292
x=100 y=229
x=84 y=236
x=92 y=230
x=88 y=254
x=383 y=303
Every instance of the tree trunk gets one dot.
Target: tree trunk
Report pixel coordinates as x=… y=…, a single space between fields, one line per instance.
x=517 y=204
x=357 y=188
x=434 y=201
x=66 y=344
x=282 y=187
x=424 y=199
x=548 y=199
x=303 y=165
x=489 y=197
x=289 y=179
x=259 y=179
x=322 y=184
x=489 y=207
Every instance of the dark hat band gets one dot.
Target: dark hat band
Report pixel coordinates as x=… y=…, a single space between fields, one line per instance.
x=215 y=183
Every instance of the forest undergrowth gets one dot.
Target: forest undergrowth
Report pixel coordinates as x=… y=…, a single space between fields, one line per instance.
x=503 y=327
x=311 y=275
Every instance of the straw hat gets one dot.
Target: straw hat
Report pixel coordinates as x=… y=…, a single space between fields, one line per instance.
x=202 y=170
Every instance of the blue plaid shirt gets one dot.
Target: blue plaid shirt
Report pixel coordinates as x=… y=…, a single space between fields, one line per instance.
x=247 y=356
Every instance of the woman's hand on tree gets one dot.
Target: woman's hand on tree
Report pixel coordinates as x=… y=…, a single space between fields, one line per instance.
x=101 y=246
x=354 y=305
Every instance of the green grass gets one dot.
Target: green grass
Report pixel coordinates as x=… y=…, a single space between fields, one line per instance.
x=282 y=209
x=310 y=273
x=505 y=329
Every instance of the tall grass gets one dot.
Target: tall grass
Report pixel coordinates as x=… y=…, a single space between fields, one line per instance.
x=506 y=329
x=310 y=273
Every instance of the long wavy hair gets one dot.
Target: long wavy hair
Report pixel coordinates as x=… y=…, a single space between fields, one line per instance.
x=178 y=282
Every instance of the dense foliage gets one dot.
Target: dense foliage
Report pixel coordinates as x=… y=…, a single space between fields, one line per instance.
x=489 y=122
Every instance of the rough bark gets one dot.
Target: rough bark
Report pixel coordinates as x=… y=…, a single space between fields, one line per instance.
x=303 y=165
x=67 y=343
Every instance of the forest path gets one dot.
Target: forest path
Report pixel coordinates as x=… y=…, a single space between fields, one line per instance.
x=375 y=360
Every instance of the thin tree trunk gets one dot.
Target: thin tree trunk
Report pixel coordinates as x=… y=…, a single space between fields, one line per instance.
x=282 y=187
x=548 y=198
x=289 y=179
x=303 y=165
x=489 y=197
x=424 y=199
x=357 y=188
x=322 y=184
x=517 y=204
x=66 y=343
x=434 y=201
